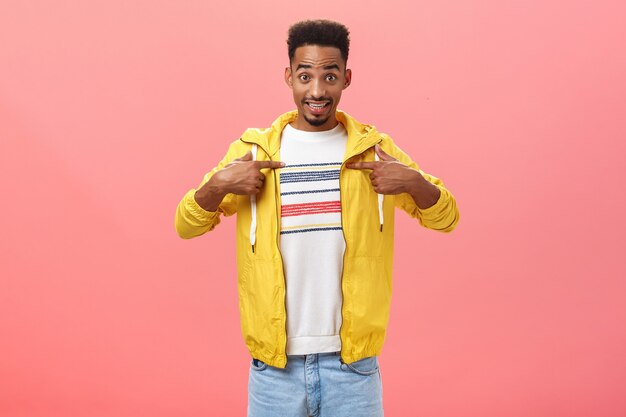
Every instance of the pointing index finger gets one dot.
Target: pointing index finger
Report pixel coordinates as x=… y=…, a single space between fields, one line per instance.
x=269 y=164
x=362 y=165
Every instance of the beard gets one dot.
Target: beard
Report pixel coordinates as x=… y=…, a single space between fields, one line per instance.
x=316 y=122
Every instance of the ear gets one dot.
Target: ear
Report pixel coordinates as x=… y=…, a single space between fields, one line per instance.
x=348 y=78
x=288 y=77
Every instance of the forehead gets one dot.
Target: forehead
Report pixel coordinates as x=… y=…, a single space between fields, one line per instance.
x=317 y=56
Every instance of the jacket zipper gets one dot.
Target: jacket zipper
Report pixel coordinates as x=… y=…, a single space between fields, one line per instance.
x=343 y=263
x=278 y=209
x=346 y=248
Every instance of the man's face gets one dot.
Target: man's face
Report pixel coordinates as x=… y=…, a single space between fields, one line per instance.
x=317 y=76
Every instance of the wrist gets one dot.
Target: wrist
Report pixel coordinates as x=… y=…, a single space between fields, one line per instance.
x=415 y=184
x=210 y=195
x=424 y=193
x=215 y=187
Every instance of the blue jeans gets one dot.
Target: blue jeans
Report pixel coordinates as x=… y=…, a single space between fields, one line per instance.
x=316 y=385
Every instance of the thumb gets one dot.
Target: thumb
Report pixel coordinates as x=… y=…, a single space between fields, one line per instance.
x=246 y=157
x=382 y=154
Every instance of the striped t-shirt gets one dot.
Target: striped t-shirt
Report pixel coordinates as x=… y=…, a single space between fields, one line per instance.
x=311 y=238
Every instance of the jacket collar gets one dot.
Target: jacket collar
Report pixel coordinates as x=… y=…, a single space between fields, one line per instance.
x=360 y=136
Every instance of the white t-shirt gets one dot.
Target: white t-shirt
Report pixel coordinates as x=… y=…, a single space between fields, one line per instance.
x=311 y=237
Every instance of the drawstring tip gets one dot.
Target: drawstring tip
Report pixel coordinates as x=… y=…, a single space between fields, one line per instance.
x=252 y=248
x=381 y=227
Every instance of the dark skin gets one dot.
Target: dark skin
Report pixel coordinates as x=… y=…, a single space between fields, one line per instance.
x=390 y=176
x=243 y=176
x=317 y=75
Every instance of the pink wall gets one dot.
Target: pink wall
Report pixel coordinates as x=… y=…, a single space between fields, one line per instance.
x=111 y=110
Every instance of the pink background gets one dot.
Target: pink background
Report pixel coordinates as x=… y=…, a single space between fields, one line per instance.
x=111 y=110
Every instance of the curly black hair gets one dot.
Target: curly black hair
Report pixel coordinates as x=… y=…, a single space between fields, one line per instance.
x=319 y=32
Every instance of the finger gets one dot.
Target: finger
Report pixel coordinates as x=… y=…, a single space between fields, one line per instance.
x=362 y=165
x=384 y=156
x=380 y=189
x=246 y=157
x=269 y=164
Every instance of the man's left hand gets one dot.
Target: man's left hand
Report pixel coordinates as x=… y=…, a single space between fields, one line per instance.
x=390 y=176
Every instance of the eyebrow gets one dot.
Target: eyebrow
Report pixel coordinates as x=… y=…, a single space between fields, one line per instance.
x=327 y=67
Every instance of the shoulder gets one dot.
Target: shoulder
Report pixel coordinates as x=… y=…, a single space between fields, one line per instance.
x=389 y=146
x=386 y=142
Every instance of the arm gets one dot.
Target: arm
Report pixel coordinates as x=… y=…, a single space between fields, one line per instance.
x=443 y=214
x=193 y=217
x=419 y=194
x=199 y=211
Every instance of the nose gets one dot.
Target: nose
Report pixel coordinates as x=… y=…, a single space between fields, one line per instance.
x=317 y=89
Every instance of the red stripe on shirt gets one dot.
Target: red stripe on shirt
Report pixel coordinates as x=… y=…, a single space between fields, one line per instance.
x=311 y=208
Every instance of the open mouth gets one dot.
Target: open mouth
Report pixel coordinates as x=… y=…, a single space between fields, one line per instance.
x=317 y=107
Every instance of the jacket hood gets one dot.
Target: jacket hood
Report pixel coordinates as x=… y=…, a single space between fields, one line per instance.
x=360 y=136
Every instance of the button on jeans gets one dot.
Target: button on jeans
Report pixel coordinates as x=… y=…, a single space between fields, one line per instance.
x=317 y=385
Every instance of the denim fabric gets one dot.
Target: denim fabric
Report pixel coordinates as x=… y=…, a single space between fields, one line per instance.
x=316 y=385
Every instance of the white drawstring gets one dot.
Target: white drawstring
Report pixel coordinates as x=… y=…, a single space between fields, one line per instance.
x=253 y=206
x=381 y=217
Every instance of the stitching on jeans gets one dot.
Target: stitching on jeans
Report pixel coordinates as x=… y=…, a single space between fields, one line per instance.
x=364 y=373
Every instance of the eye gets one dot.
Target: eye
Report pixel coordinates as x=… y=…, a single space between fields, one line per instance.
x=331 y=77
x=303 y=77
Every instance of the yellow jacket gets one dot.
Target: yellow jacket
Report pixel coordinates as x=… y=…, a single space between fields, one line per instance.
x=367 y=263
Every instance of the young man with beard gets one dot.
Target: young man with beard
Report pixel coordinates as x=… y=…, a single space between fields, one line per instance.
x=315 y=195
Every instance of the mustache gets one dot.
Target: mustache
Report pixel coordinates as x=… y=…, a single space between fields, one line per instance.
x=317 y=99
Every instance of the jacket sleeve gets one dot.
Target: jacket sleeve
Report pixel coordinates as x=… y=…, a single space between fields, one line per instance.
x=191 y=220
x=443 y=215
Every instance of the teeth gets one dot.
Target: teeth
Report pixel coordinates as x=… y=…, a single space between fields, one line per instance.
x=317 y=106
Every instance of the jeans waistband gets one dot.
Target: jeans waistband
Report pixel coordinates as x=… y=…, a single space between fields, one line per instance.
x=318 y=354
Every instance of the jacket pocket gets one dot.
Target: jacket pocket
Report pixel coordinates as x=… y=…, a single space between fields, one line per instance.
x=369 y=285
x=244 y=302
x=262 y=293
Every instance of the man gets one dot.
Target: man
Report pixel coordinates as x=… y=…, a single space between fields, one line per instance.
x=314 y=196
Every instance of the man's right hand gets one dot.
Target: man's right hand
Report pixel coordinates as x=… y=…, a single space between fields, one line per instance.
x=242 y=176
